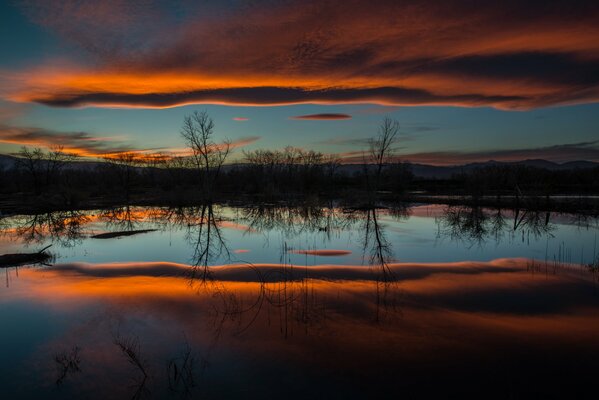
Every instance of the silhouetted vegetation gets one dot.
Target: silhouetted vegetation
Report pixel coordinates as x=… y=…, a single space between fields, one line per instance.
x=515 y=180
x=55 y=179
x=291 y=170
x=475 y=224
x=181 y=372
x=207 y=157
x=283 y=173
x=131 y=351
x=67 y=364
x=42 y=167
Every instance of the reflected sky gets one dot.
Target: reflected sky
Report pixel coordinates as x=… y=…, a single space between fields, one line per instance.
x=311 y=235
x=299 y=302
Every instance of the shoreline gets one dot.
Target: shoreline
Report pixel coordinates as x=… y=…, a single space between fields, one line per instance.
x=23 y=204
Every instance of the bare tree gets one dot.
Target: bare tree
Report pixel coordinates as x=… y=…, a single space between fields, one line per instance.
x=207 y=156
x=43 y=167
x=291 y=167
x=382 y=150
x=125 y=165
x=56 y=159
x=176 y=168
x=152 y=162
x=30 y=161
x=331 y=165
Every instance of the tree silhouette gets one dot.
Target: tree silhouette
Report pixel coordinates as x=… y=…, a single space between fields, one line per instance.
x=207 y=156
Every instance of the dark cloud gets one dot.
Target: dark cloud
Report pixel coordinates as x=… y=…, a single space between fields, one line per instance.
x=554 y=68
x=323 y=252
x=323 y=116
x=271 y=96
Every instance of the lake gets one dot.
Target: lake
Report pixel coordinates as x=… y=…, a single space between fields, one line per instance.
x=308 y=301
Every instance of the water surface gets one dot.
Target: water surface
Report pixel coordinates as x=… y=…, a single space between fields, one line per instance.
x=311 y=301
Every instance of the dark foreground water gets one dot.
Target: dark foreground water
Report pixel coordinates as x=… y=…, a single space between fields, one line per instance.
x=300 y=302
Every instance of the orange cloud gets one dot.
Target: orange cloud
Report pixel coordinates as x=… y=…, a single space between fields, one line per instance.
x=245 y=141
x=84 y=144
x=513 y=55
x=79 y=143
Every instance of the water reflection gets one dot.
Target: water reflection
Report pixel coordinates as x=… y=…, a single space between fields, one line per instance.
x=450 y=308
x=206 y=238
x=346 y=302
x=375 y=243
x=64 y=228
x=292 y=221
x=475 y=225
x=470 y=225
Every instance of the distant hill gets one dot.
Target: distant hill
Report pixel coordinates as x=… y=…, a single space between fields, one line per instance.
x=444 y=172
x=6 y=161
x=426 y=171
x=420 y=170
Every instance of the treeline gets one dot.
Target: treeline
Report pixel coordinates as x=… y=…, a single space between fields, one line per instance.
x=202 y=173
x=516 y=180
x=56 y=177
x=293 y=170
x=49 y=175
x=290 y=171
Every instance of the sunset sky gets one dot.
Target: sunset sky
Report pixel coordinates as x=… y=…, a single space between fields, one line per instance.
x=467 y=80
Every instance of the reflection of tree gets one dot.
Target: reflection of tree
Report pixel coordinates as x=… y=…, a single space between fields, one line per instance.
x=67 y=364
x=467 y=224
x=388 y=293
x=61 y=227
x=289 y=291
x=204 y=232
x=295 y=220
x=123 y=218
x=376 y=243
x=474 y=225
x=584 y=221
x=535 y=223
x=182 y=372
x=131 y=350
x=286 y=292
x=399 y=211
x=498 y=224
x=287 y=288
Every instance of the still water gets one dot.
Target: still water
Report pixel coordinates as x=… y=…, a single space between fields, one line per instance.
x=312 y=302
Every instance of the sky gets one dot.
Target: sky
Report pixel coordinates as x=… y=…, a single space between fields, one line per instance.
x=468 y=81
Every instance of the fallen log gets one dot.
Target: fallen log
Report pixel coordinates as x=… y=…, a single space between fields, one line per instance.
x=110 y=235
x=14 y=260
